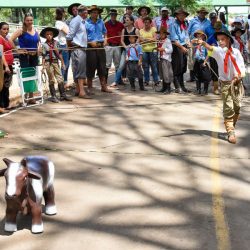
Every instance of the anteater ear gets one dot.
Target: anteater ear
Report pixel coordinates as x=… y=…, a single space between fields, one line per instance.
x=2 y=171
x=34 y=175
x=7 y=161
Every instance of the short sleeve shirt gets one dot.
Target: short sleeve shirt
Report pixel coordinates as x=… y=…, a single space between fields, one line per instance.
x=62 y=36
x=148 y=35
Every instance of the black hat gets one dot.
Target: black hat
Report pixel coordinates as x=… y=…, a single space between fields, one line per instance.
x=71 y=7
x=113 y=11
x=224 y=32
x=143 y=7
x=53 y=30
x=233 y=32
x=129 y=7
x=212 y=15
x=180 y=11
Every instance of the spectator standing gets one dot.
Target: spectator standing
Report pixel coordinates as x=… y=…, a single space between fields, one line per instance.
x=8 y=70
x=149 y=48
x=77 y=38
x=113 y=49
x=180 y=40
x=29 y=40
x=163 y=20
x=129 y=12
x=73 y=11
x=96 y=56
x=62 y=43
x=143 y=12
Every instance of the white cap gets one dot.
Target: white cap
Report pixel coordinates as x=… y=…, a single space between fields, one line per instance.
x=237 y=20
x=165 y=9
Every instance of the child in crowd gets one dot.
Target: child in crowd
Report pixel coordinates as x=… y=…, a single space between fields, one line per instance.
x=51 y=55
x=134 y=62
x=165 y=67
x=231 y=71
x=201 y=70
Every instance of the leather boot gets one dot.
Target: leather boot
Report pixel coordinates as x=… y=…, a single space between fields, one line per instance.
x=229 y=125
x=206 y=88
x=181 y=81
x=216 y=88
x=53 y=93
x=176 y=84
x=168 y=88
x=132 y=83
x=192 y=76
x=164 y=87
x=63 y=96
x=141 y=85
x=236 y=118
x=198 y=87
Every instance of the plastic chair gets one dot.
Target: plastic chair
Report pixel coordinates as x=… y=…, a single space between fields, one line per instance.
x=30 y=82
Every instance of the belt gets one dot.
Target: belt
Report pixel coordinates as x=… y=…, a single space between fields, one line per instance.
x=134 y=61
x=53 y=61
x=226 y=82
x=114 y=44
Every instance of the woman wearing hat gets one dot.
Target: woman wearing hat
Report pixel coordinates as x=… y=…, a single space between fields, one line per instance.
x=180 y=40
x=231 y=71
x=238 y=42
x=143 y=12
x=73 y=11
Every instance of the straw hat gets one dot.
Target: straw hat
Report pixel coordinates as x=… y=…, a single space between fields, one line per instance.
x=202 y=9
x=181 y=11
x=201 y=33
x=94 y=7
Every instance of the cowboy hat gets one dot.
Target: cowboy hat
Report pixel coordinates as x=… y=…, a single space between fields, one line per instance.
x=95 y=7
x=217 y=25
x=224 y=32
x=113 y=11
x=181 y=11
x=233 y=32
x=202 y=9
x=201 y=33
x=53 y=30
x=71 y=7
x=143 y=7
x=162 y=30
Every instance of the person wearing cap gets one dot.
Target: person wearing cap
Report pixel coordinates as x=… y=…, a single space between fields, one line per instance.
x=165 y=50
x=113 y=49
x=143 y=12
x=201 y=69
x=50 y=62
x=129 y=12
x=231 y=71
x=149 y=47
x=238 y=43
x=238 y=23
x=163 y=20
x=73 y=11
x=134 y=62
x=77 y=39
x=180 y=40
x=218 y=26
x=96 y=56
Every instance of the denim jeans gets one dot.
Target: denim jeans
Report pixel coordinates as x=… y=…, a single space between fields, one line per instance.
x=150 y=59
x=65 y=55
x=118 y=75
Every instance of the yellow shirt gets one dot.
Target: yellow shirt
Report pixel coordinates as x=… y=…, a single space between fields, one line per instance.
x=148 y=35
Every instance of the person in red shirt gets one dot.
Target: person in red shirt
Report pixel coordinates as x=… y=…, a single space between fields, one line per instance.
x=8 y=70
x=114 y=31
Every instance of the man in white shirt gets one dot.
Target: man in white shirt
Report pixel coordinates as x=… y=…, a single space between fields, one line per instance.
x=231 y=71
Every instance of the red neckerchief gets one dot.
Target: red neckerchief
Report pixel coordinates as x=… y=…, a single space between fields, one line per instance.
x=183 y=25
x=159 y=45
x=136 y=52
x=51 y=49
x=238 y=39
x=164 y=22
x=226 y=59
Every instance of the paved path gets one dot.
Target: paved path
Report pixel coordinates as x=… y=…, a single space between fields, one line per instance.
x=135 y=171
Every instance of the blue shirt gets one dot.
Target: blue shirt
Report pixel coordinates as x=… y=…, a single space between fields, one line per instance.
x=77 y=32
x=212 y=40
x=158 y=22
x=176 y=34
x=210 y=29
x=197 y=24
x=200 y=54
x=134 y=53
x=95 y=30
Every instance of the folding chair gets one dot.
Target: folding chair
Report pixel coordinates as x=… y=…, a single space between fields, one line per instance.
x=30 y=82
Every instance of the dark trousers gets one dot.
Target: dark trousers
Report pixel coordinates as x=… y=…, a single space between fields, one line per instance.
x=28 y=61
x=4 y=97
x=134 y=71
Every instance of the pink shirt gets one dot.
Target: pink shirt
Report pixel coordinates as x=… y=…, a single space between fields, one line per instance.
x=139 y=24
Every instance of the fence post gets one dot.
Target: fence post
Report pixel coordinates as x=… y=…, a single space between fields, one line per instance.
x=1 y=67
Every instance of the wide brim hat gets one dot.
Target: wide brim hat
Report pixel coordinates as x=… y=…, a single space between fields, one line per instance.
x=143 y=7
x=180 y=11
x=95 y=7
x=202 y=9
x=53 y=30
x=200 y=32
x=162 y=30
x=233 y=32
x=113 y=11
x=71 y=7
x=224 y=32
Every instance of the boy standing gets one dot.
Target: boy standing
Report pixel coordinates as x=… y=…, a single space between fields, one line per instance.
x=50 y=63
x=134 y=62
x=165 y=67
x=231 y=71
